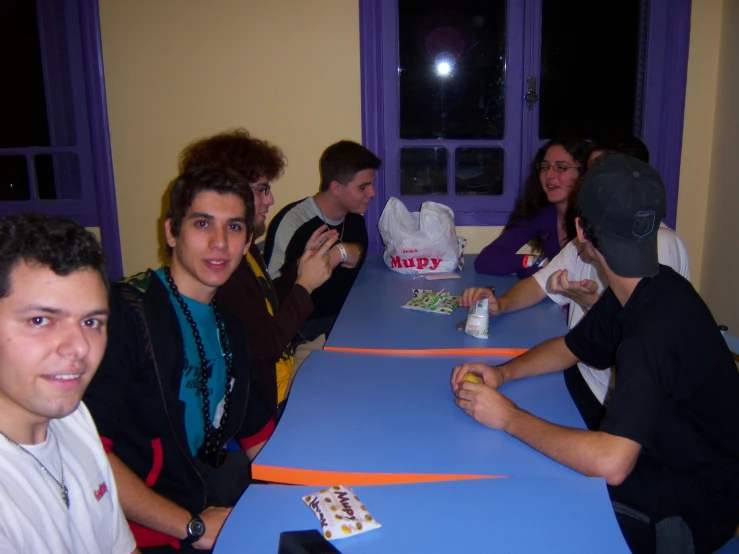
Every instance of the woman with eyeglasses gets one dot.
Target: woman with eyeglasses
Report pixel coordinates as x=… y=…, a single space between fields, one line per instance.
x=539 y=217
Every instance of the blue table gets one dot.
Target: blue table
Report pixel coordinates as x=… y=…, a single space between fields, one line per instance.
x=525 y=514
x=372 y=316
x=396 y=414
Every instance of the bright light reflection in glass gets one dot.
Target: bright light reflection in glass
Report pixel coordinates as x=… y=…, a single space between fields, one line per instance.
x=443 y=68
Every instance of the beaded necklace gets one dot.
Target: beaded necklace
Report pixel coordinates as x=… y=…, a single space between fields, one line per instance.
x=210 y=442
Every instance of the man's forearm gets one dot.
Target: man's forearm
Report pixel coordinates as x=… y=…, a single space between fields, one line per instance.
x=550 y=356
x=591 y=453
x=142 y=505
x=523 y=294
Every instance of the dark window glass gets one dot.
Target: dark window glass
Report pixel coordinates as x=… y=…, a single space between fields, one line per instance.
x=22 y=96
x=58 y=176
x=423 y=171
x=451 y=71
x=479 y=171
x=589 y=67
x=14 y=179
x=36 y=96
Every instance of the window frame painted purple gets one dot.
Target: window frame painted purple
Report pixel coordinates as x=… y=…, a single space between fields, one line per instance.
x=667 y=44
x=97 y=205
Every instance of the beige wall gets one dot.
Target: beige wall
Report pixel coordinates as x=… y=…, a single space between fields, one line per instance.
x=288 y=70
x=176 y=70
x=698 y=132
x=720 y=259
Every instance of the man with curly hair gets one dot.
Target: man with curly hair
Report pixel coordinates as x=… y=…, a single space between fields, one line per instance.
x=57 y=492
x=271 y=311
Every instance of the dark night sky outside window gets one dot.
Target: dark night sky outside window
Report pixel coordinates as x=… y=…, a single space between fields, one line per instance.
x=468 y=103
x=589 y=65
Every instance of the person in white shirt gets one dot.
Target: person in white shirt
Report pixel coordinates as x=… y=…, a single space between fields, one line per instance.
x=575 y=282
x=57 y=492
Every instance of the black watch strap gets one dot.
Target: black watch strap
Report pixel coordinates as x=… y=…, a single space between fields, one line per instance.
x=195 y=529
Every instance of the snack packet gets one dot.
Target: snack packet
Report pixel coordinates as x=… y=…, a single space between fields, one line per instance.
x=432 y=301
x=340 y=512
x=478 y=319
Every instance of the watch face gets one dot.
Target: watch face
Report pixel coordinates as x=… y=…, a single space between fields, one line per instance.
x=196 y=527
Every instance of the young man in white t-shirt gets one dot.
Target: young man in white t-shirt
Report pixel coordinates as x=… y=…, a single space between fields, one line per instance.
x=57 y=492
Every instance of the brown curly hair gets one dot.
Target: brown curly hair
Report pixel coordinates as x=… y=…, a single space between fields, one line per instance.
x=237 y=150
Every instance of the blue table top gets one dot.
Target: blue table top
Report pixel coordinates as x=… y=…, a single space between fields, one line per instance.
x=372 y=316
x=396 y=414
x=523 y=514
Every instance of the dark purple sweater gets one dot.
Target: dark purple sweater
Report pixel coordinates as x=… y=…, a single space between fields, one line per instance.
x=500 y=258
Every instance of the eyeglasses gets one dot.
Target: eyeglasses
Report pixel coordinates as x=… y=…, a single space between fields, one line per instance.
x=558 y=167
x=264 y=189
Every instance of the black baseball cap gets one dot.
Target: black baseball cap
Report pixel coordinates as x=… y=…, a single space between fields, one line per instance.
x=624 y=200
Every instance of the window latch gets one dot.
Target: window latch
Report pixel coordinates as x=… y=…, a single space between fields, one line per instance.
x=531 y=97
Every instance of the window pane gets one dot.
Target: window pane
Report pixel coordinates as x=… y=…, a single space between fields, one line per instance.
x=451 y=71
x=479 y=171
x=423 y=171
x=13 y=179
x=36 y=97
x=58 y=176
x=22 y=99
x=589 y=65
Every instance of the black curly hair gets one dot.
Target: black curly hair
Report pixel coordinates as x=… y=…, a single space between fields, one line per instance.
x=63 y=245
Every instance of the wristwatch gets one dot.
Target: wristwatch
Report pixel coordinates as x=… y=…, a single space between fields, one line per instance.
x=195 y=530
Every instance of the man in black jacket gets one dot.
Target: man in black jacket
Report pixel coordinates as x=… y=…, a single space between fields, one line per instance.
x=175 y=384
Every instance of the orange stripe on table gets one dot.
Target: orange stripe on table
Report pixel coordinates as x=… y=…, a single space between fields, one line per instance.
x=433 y=352
x=315 y=477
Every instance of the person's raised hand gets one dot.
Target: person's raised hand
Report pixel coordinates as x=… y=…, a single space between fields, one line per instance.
x=315 y=267
x=319 y=236
x=584 y=292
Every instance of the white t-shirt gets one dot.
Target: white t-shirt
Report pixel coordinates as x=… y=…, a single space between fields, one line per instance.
x=33 y=516
x=671 y=252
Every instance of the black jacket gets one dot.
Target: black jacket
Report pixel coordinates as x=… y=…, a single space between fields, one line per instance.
x=134 y=397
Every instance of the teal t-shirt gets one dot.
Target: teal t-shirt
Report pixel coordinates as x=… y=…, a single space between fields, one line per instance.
x=205 y=320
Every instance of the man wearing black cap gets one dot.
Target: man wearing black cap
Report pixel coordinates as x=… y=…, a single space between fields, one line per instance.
x=668 y=445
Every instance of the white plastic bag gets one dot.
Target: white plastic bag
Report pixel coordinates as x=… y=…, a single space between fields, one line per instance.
x=419 y=242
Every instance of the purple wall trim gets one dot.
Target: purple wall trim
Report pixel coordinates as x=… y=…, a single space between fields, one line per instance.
x=370 y=33
x=102 y=158
x=667 y=160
